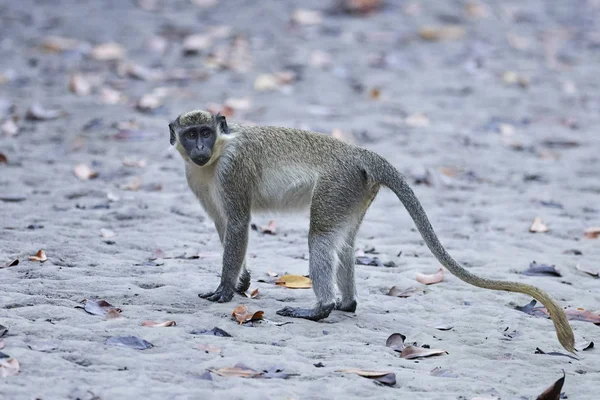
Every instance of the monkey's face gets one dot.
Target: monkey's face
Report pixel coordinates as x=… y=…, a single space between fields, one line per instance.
x=197 y=142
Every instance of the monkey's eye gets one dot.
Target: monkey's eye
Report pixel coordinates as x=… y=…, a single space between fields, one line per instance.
x=205 y=133
x=192 y=135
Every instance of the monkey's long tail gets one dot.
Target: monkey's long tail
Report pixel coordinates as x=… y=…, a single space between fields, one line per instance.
x=386 y=174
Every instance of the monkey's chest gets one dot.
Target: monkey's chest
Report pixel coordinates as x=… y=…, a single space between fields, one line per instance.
x=287 y=189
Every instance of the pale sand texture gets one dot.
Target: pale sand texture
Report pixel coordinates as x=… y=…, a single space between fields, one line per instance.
x=482 y=217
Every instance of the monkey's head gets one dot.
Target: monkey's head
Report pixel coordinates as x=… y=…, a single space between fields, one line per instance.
x=195 y=135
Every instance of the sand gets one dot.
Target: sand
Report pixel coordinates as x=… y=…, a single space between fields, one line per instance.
x=482 y=150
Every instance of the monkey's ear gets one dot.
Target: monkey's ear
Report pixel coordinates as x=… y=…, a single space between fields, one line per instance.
x=172 y=139
x=222 y=123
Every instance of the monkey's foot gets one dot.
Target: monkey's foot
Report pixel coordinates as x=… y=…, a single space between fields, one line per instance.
x=348 y=306
x=314 y=314
x=244 y=282
x=222 y=295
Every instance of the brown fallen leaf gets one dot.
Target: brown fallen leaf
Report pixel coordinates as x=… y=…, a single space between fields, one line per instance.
x=108 y=52
x=538 y=226
x=79 y=85
x=98 y=307
x=294 y=282
x=207 y=348
x=153 y=324
x=242 y=315
x=358 y=6
x=270 y=229
x=536 y=269
x=251 y=293
x=375 y=93
x=39 y=256
x=83 y=172
x=578 y=314
x=134 y=185
x=396 y=292
x=440 y=33
x=307 y=17
x=428 y=279
x=9 y=367
x=396 y=342
x=588 y=270
x=129 y=162
x=385 y=377
x=59 y=44
x=592 y=233
x=11 y=263
x=476 y=9
x=553 y=392
x=239 y=370
x=3 y=159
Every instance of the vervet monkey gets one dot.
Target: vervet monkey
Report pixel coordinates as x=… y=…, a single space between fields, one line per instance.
x=235 y=170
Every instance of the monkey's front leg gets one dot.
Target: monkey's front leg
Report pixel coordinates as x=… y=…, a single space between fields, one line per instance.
x=235 y=242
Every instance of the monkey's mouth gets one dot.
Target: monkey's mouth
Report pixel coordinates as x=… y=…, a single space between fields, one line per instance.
x=201 y=160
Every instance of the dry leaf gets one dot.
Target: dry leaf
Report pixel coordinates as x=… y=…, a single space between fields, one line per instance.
x=241 y=314
x=270 y=229
x=194 y=44
x=476 y=9
x=439 y=33
x=39 y=256
x=429 y=279
x=9 y=367
x=538 y=226
x=358 y=6
x=134 y=185
x=112 y=314
x=39 y=113
x=270 y=273
x=375 y=93
x=140 y=72
x=251 y=293
x=239 y=370
x=592 y=233
x=536 y=269
x=10 y=264
x=207 y=348
x=58 y=44
x=395 y=292
x=83 y=172
x=266 y=82
x=3 y=159
x=418 y=120
x=149 y=102
x=307 y=17
x=106 y=233
x=553 y=392
x=572 y=314
x=108 y=52
x=98 y=307
x=588 y=270
x=129 y=341
x=396 y=343
x=294 y=282
x=79 y=85
x=385 y=377
x=153 y=324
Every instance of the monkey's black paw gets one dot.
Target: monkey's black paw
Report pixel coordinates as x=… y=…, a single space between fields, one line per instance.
x=222 y=295
x=244 y=282
x=314 y=314
x=348 y=306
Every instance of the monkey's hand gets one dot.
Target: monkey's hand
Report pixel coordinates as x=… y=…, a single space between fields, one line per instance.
x=223 y=294
x=314 y=314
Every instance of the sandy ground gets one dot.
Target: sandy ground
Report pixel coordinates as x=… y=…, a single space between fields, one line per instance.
x=483 y=150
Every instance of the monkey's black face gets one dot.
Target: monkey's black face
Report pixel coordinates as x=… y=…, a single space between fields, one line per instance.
x=198 y=142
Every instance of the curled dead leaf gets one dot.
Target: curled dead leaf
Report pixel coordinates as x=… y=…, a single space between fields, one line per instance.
x=108 y=52
x=592 y=233
x=251 y=293
x=588 y=270
x=83 y=172
x=98 y=307
x=270 y=229
x=196 y=43
x=358 y=6
x=294 y=282
x=9 y=367
x=396 y=342
x=112 y=314
x=242 y=315
x=272 y=274
x=153 y=324
x=134 y=185
x=385 y=377
x=553 y=392
x=428 y=279
x=11 y=263
x=107 y=233
x=129 y=162
x=538 y=226
x=375 y=93
x=239 y=370
x=536 y=269
x=59 y=44
x=79 y=85
x=37 y=112
x=396 y=292
x=39 y=256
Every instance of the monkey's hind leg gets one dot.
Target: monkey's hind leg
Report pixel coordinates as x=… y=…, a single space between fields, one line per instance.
x=321 y=265
x=243 y=281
